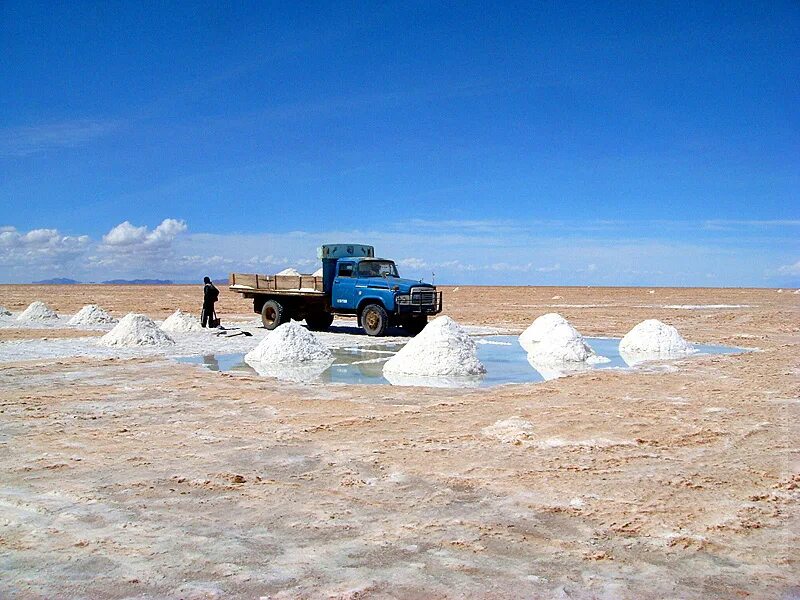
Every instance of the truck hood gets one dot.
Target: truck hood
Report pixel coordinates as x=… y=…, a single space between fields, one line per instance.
x=405 y=285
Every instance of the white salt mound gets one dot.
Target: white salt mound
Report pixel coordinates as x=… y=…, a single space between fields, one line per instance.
x=442 y=349
x=181 y=322
x=551 y=340
x=37 y=311
x=510 y=431
x=289 y=271
x=317 y=273
x=91 y=314
x=4 y=312
x=654 y=338
x=136 y=330
x=289 y=344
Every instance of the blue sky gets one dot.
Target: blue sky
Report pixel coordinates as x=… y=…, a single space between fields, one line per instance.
x=537 y=143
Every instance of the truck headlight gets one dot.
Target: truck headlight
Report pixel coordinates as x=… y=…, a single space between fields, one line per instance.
x=403 y=299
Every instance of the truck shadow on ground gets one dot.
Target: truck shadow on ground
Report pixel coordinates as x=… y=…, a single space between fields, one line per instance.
x=356 y=330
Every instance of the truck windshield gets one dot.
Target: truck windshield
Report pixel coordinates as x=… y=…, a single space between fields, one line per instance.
x=377 y=268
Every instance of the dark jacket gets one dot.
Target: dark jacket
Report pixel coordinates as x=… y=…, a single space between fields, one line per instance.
x=210 y=294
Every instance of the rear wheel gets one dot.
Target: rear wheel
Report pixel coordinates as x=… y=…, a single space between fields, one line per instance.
x=413 y=325
x=273 y=314
x=319 y=321
x=374 y=319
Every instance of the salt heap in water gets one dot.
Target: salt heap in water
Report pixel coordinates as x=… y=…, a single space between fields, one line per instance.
x=136 y=330
x=552 y=340
x=655 y=339
x=37 y=311
x=442 y=349
x=181 y=322
x=289 y=271
x=91 y=314
x=289 y=344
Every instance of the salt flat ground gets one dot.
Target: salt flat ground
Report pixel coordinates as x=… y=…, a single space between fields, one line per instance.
x=146 y=478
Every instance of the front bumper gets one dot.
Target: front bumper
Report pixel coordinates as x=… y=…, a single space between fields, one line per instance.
x=419 y=303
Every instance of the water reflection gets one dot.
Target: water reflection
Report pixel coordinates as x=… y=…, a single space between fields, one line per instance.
x=633 y=359
x=297 y=373
x=211 y=362
x=554 y=371
x=401 y=379
x=505 y=361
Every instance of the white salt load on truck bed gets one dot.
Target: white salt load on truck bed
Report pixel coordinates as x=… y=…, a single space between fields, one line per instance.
x=37 y=311
x=652 y=339
x=91 y=314
x=442 y=349
x=552 y=340
x=136 y=330
x=290 y=271
x=181 y=322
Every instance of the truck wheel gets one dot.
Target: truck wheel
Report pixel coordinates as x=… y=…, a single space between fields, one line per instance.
x=374 y=319
x=319 y=321
x=415 y=324
x=273 y=314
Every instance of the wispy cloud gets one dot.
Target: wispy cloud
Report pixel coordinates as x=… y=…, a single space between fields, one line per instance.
x=792 y=269
x=456 y=251
x=35 y=139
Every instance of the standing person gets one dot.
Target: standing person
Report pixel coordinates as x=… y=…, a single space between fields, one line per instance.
x=210 y=295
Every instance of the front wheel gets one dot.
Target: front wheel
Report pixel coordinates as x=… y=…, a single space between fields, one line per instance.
x=273 y=314
x=374 y=320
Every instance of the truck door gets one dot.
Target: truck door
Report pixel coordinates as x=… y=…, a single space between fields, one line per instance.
x=343 y=295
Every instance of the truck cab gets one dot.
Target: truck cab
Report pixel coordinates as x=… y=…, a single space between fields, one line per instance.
x=372 y=290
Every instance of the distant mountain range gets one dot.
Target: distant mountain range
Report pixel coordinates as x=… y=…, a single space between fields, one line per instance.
x=139 y=281
x=57 y=281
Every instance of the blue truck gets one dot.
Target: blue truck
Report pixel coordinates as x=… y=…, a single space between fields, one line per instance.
x=354 y=283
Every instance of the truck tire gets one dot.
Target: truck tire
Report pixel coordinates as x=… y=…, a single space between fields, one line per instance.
x=414 y=325
x=374 y=320
x=273 y=314
x=319 y=321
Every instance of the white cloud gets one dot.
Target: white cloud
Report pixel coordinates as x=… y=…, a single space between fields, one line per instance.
x=793 y=269
x=39 y=247
x=412 y=263
x=125 y=235
x=551 y=269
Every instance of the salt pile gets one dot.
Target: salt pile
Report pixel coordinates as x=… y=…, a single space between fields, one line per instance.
x=181 y=322
x=136 y=330
x=317 y=273
x=289 y=271
x=510 y=431
x=442 y=349
x=289 y=344
x=552 y=340
x=652 y=338
x=91 y=314
x=37 y=311
x=4 y=312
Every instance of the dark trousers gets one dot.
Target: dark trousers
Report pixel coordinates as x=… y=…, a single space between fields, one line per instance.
x=206 y=315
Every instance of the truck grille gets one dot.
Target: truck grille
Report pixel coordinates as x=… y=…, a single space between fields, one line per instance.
x=423 y=296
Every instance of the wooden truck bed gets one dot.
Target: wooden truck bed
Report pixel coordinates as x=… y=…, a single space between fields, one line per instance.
x=289 y=285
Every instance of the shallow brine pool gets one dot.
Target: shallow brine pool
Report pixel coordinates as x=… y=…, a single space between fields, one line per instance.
x=505 y=361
